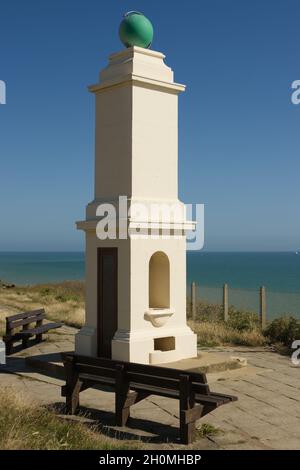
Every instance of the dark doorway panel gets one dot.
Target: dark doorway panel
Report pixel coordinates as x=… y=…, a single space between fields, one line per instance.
x=107 y=299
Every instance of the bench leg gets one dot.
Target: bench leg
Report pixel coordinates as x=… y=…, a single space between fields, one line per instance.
x=8 y=338
x=123 y=399
x=25 y=343
x=189 y=412
x=72 y=397
x=9 y=347
x=72 y=387
x=39 y=338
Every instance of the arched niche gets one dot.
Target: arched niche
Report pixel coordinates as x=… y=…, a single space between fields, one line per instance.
x=159 y=281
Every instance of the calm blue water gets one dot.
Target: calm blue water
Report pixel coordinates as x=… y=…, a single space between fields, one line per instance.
x=278 y=272
x=37 y=268
x=244 y=272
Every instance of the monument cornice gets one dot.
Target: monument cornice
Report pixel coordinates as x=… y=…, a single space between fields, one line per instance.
x=138 y=80
x=183 y=225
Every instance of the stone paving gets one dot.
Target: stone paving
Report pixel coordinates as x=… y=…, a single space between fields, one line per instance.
x=266 y=415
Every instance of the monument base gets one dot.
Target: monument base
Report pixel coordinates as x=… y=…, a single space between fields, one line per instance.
x=86 y=341
x=172 y=344
x=145 y=348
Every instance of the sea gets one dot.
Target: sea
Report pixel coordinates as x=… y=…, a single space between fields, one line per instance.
x=244 y=273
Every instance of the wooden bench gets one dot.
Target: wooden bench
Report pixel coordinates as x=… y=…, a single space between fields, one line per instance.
x=24 y=321
x=134 y=382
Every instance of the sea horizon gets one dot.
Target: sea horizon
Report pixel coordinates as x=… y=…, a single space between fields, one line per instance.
x=10 y=267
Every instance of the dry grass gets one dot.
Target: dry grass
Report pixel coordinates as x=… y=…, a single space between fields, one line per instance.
x=62 y=302
x=242 y=327
x=212 y=334
x=25 y=425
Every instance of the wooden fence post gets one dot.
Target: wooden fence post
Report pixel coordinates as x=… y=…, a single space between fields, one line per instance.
x=225 y=301
x=193 y=301
x=262 y=307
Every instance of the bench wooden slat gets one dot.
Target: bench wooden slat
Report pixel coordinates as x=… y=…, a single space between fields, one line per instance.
x=158 y=382
x=201 y=399
x=24 y=315
x=224 y=396
x=40 y=329
x=138 y=368
x=15 y=337
x=133 y=386
x=94 y=379
x=163 y=382
x=144 y=378
x=95 y=371
x=167 y=372
x=27 y=321
x=212 y=399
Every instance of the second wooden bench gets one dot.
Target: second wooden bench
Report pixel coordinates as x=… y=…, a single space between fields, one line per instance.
x=22 y=326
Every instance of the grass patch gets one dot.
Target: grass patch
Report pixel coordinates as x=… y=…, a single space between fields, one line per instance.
x=24 y=426
x=207 y=429
x=62 y=301
x=242 y=327
x=211 y=334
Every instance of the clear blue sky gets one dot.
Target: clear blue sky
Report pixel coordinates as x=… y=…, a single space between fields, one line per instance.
x=239 y=132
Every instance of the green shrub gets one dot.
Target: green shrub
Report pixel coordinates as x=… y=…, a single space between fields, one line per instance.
x=61 y=298
x=283 y=330
x=206 y=311
x=207 y=429
x=242 y=321
x=45 y=291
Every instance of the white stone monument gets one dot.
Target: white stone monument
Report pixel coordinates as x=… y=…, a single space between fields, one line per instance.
x=136 y=286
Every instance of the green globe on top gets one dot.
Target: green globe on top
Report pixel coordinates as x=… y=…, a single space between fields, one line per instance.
x=136 y=30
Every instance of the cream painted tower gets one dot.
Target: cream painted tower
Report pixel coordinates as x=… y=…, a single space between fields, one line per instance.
x=136 y=286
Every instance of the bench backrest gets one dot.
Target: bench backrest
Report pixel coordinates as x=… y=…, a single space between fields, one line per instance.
x=148 y=375
x=26 y=318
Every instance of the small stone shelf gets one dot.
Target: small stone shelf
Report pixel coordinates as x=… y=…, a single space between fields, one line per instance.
x=158 y=316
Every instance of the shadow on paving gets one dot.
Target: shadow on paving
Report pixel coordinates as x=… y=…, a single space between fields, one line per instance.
x=18 y=346
x=105 y=422
x=44 y=364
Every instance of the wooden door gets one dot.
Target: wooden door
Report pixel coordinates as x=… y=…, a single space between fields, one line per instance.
x=107 y=299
